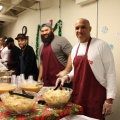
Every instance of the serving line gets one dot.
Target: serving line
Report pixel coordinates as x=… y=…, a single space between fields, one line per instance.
x=42 y=112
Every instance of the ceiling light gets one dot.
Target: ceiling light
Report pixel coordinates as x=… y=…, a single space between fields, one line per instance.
x=1 y=7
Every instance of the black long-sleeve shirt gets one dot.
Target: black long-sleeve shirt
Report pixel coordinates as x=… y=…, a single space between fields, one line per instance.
x=13 y=58
x=29 y=65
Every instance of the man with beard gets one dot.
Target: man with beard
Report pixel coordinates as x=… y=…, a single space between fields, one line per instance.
x=55 y=58
x=27 y=64
x=14 y=54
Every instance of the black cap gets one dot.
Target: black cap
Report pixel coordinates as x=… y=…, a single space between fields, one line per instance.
x=46 y=25
x=9 y=40
x=21 y=36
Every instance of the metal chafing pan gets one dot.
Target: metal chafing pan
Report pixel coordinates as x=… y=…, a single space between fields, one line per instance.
x=5 y=76
x=6 y=73
x=5 y=79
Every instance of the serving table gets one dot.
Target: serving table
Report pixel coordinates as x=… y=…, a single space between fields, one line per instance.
x=42 y=112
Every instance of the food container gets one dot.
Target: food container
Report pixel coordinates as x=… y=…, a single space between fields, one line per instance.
x=5 y=79
x=5 y=87
x=35 y=87
x=17 y=104
x=6 y=73
x=5 y=76
x=57 y=98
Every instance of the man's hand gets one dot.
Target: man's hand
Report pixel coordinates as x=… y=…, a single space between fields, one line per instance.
x=107 y=108
x=39 y=81
x=62 y=73
x=63 y=80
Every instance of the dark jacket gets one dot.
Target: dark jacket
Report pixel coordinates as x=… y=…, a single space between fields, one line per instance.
x=13 y=58
x=30 y=64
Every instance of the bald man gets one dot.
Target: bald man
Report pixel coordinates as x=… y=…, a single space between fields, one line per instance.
x=93 y=74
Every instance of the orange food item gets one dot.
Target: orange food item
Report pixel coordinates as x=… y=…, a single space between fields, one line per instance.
x=5 y=87
x=31 y=87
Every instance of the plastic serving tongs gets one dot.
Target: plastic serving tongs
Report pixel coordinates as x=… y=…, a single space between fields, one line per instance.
x=23 y=95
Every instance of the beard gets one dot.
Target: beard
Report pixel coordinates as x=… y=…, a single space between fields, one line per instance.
x=23 y=47
x=48 y=39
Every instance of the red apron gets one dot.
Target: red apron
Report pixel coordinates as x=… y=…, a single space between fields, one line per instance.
x=51 y=66
x=87 y=91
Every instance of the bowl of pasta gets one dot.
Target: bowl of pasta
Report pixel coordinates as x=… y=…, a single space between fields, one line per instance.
x=18 y=104
x=57 y=98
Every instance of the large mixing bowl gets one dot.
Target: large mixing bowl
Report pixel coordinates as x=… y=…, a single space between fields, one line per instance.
x=35 y=87
x=57 y=98
x=18 y=104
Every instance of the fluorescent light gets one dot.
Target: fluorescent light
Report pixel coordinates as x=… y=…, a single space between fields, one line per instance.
x=1 y=7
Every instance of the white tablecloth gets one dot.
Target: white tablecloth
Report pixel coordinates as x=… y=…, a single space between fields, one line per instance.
x=77 y=117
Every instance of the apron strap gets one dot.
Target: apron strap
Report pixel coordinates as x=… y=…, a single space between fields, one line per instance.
x=88 y=46
x=77 y=49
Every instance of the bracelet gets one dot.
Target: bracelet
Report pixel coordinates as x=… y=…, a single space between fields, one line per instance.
x=107 y=103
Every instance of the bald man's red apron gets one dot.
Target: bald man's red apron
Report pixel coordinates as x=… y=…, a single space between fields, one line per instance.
x=87 y=91
x=51 y=66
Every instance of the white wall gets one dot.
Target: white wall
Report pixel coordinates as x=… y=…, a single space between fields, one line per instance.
x=108 y=15
x=29 y=18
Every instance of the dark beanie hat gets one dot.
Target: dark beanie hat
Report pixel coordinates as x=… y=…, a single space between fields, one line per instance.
x=9 y=40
